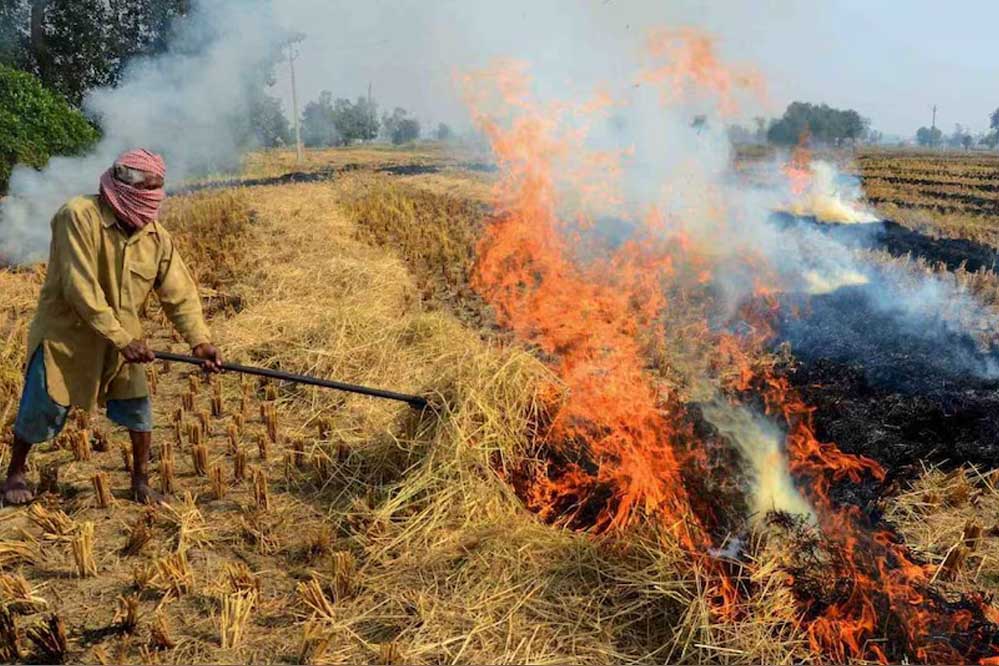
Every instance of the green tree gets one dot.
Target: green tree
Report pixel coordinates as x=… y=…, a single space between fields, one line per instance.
x=822 y=122
x=318 y=128
x=36 y=124
x=356 y=121
x=399 y=128
x=268 y=123
x=443 y=132
x=76 y=45
x=926 y=136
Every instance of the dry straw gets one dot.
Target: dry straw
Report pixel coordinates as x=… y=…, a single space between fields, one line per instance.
x=138 y=536
x=312 y=596
x=168 y=484
x=81 y=445
x=261 y=494
x=239 y=466
x=236 y=610
x=102 y=489
x=232 y=436
x=316 y=639
x=18 y=597
x=263 y=448
x=344 y=574
x=101 y=441
x=83 y=550
x=217 y=477
x=126 y=616
x=199 y=459
x=48 y=478
x=49 y=640
x=126 y=456
x=10 y=641
x=15 y=553
x=54 y=524
x=160 y=633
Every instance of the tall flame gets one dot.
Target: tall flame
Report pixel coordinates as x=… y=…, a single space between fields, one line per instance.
x=618 y=440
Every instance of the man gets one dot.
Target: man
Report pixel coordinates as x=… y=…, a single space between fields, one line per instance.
x=85 y=344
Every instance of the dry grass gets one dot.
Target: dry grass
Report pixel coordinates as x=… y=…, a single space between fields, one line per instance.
x=397 y=539
x=952 y=519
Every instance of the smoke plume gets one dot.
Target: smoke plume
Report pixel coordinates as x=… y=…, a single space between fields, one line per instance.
x=189 y=104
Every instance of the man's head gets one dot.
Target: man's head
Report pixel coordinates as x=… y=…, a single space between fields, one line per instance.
x=133 y=187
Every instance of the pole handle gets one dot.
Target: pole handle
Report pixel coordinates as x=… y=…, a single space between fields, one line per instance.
x=413 y=400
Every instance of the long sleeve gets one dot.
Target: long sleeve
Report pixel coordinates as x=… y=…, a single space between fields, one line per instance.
x=76 y=247
x=178 y=295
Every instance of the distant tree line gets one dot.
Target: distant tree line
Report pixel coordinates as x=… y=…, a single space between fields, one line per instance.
x=820 y=123
x=327 y=122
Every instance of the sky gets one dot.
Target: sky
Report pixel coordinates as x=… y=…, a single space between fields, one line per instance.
x=891 y=60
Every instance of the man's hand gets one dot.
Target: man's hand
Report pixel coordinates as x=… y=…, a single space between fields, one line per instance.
x=211 y=356
x=138 y=352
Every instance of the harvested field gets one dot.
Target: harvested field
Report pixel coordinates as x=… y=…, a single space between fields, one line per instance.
x=320 y=527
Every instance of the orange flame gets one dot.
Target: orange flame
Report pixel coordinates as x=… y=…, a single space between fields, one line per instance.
x=612 y=447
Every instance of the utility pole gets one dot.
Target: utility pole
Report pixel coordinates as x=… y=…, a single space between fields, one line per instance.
x=933 y=125
x=371 y=109
x=294 y=103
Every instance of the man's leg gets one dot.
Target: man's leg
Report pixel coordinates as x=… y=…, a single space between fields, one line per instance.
x=15 y=488
x=136 y=414
x=142 y=442
x=39 y=419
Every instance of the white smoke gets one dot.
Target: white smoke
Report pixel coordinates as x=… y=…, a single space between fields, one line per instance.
x=761 y=446
x=189 y=104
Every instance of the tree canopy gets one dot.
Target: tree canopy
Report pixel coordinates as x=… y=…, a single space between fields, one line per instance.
x=36 y=123
x=400 y=128
x=822 y=122
x=73 y=46
x=357 y=121
x=927 y=136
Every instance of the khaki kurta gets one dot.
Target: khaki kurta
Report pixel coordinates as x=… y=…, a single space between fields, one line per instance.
x=98 y=279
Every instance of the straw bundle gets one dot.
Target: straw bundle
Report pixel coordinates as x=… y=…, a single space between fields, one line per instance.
x=18 y=597
x=81 y=445
x=316 y=639
x=217 y=477
x=10 y=647
x=168 y=483
x=236 y=609
x=199 y=459
x=54 y=524
x=139 y=535
x=261 y=494
x=48 y=478
x=239 y=465
x=49 y=640
x=312 y=596
x=344 y=570
x=126 y=455
x=102 y=488
x=232 y=437
x=126 y=615
x=160 y=633
x=101 y=441
x=83 y=550
x=14 y=553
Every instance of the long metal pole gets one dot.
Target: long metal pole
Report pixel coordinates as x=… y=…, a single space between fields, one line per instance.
x=414 y=400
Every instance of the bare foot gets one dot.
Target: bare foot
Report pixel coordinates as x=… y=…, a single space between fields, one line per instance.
x=16 y=491
x=143 y=494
